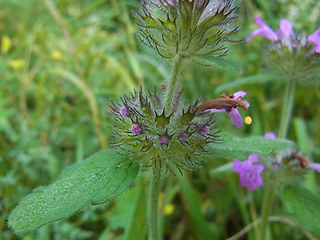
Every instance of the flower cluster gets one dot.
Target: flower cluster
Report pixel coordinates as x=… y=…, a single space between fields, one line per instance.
x=187 y=27
x=286 y=166
x=154 y=138
x=290 y=53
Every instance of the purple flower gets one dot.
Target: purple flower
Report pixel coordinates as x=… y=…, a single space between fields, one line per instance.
x=234 y=114
x=124 y=111
x=235 y=118
x=315 y=39
x=270 y=135
x=249 y=172
x=164 y=140
x=183 y=137
x=227 y=104
x=285 y=30
x=136 y=129
x=264 y=30
x=204 y=131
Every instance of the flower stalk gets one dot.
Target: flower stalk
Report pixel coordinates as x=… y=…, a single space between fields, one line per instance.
x=153 y=208
x=155 y=184
x=287 y=107
x=174 y=80
x=266 y=208
x=284 y=124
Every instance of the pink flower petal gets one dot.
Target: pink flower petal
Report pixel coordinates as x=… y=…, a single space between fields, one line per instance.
x=253 y=158
x=315 y=39
x=314 y=166
x=136 y=129
x=235 y=118
x=239 y=95
x=249 y=173
x=214 y=110
x=270 y=135
x=264 y=30
x=237 y=165
x=285 y=30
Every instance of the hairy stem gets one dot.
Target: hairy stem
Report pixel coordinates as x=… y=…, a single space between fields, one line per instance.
x=287 y=107
x=173 y=81
x=153 y=208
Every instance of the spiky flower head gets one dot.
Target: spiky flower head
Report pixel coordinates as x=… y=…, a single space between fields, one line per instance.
x=187 y=27
x=293 y=55
x=155 y=139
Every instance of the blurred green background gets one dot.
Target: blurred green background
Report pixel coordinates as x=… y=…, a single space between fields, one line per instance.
x=61 y=63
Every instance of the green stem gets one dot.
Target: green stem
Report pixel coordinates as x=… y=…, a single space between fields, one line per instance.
x=174 y=79
x=266 y=207
x=153 y=208
x=287 y=107
x=284 y=124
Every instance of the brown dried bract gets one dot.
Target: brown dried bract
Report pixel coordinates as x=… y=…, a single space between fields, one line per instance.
x=303 y=161
x=225 y=102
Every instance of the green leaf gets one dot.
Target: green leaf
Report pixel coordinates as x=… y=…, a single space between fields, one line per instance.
x=130 y=214
x=259 y=78
x=96 y=180
x=241 y=148
x=303 y=206
x=193 y=207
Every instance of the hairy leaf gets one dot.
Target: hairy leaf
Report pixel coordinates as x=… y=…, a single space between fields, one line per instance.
x=304 y=207
x=96 y=180
x=241 y=148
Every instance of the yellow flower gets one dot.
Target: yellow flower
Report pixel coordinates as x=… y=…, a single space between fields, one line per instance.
x=5 y=44
x=56 y=55
x=16 y=64
x=247 y=120
x=168 y=209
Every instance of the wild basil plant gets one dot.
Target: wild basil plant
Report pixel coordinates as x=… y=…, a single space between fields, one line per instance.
x=160 y=136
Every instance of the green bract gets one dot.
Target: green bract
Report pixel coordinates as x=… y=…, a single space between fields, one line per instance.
x=295 y=58
x=188 y=28
x=98 y=179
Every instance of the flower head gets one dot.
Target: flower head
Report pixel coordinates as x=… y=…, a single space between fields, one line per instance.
x=154 y=138
x=314 y=38
x=289 y=53
x=191 y=28
x=249 y=172
x=229 y=105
